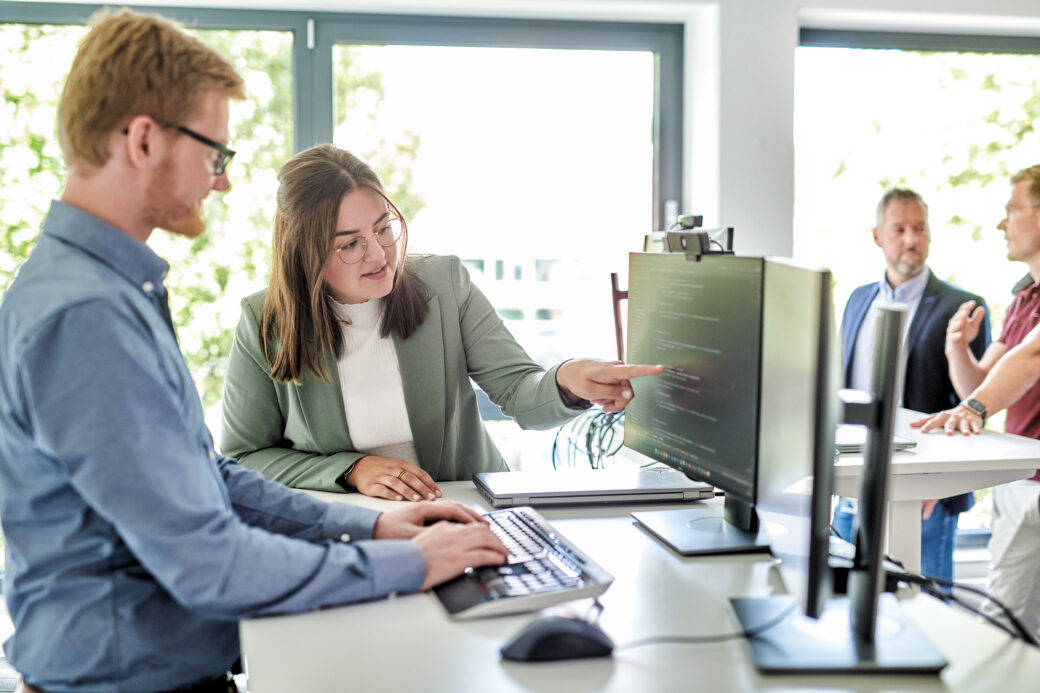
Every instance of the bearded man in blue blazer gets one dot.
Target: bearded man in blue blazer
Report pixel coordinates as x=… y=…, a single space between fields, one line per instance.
x=903 y=235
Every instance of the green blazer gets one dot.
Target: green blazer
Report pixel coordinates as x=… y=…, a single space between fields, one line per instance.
x=297 y=434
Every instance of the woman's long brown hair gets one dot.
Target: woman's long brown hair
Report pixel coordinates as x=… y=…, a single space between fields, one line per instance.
x=298 y=326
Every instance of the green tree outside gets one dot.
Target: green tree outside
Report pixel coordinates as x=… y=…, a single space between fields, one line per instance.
x=209 y=275
x=953 y=126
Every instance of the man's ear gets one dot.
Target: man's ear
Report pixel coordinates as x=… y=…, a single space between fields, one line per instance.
x=874 y=233
x=143 y=140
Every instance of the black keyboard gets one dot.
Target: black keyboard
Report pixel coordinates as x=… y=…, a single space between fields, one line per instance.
x=543 y=569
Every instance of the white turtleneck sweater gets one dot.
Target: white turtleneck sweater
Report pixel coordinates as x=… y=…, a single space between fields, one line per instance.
x=373 y=394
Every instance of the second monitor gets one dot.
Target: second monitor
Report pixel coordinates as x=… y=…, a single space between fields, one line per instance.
x=723 y=327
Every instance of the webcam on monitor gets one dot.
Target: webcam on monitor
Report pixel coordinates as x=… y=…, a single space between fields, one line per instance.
x=687 y=237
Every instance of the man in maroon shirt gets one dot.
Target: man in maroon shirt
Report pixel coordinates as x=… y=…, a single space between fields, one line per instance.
x=1007 y=375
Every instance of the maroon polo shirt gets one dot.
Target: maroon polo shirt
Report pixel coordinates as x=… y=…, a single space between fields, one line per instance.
x=1023 y=417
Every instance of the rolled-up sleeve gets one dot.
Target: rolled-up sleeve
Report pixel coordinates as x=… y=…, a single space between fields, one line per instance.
x=125 y=427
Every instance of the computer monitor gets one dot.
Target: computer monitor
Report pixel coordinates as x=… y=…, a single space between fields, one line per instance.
x=860 y=632
x=700 y=316
x=799 y=411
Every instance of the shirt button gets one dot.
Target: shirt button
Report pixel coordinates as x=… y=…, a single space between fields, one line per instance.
x=148 y=287
x=345 y=538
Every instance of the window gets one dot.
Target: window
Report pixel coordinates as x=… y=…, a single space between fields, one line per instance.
x=209 y=275
x=492 y=163
x=952 y=124
x=504 y=142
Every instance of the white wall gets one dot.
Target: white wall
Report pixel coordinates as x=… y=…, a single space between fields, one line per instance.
x=739 y=154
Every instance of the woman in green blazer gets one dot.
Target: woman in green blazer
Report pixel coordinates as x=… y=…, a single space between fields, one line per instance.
x=352 y=370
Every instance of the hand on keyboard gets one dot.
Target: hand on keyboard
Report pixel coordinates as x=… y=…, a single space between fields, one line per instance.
x=407 y=522
x=543 y=568
x=450 y=548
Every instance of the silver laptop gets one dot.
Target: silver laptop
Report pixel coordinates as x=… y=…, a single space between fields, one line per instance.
x=615 y=485
x=851 y=438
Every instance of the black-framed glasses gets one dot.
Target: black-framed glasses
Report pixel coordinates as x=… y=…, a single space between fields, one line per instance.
x=354 y=249
x=224 y=155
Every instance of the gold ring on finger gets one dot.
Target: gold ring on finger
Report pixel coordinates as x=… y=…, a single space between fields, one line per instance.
x=400 y=474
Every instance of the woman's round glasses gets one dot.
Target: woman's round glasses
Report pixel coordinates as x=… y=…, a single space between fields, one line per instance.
x=388 y=233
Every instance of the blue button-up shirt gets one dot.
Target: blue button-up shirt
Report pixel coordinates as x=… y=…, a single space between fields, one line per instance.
x=132 y=547
x=910 y=293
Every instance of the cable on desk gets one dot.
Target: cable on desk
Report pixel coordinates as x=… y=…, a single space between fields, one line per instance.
x=706 y=639
x=931 y=586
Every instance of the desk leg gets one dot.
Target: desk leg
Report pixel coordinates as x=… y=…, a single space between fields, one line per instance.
x=904 y=533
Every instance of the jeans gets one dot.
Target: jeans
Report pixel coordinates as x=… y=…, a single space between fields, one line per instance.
x=937 y=534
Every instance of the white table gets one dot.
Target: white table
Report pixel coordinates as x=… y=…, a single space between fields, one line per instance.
x=938 y=467
x=408 y=643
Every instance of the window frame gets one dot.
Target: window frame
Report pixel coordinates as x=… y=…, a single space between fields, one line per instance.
x=918 y=41
x=314 y=34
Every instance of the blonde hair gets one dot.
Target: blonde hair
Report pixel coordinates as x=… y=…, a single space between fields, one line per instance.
x=132 y=64
x=298 y=326
x=1031 y=174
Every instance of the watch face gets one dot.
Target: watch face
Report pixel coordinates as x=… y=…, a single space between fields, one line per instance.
x=976 y=406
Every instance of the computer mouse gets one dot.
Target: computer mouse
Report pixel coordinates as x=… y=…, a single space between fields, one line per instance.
x=549 y=638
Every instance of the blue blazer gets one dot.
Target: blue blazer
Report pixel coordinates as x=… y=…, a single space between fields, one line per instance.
x=927 y=386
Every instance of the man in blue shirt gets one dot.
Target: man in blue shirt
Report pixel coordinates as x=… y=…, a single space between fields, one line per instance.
x=133 y=548
x=903 y=235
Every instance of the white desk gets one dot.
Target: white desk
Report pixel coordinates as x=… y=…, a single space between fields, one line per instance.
x=408 y=643
x=938 y=467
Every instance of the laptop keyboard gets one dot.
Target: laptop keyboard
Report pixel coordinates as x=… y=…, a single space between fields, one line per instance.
x=543 y=569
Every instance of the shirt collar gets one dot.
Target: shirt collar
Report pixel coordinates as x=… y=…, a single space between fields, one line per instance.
x=130 y=258
x=359 y=315
x=1026 y=282
x=909 y=291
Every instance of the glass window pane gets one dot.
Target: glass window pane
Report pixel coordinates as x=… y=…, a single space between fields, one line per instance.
x=538 y=162
x=209 y=275
x=954 y=126
x=33 y=63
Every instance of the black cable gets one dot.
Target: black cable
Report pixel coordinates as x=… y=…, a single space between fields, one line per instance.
x=705 y=639
x=928 y=584
x=957 y=601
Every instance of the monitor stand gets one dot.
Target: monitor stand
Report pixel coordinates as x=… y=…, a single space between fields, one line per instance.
x=829 y=644
x=707 y=530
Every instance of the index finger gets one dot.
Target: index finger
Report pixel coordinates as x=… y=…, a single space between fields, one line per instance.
x=624 y=372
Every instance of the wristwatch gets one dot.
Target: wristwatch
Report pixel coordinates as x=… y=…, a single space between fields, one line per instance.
x=976 y=406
